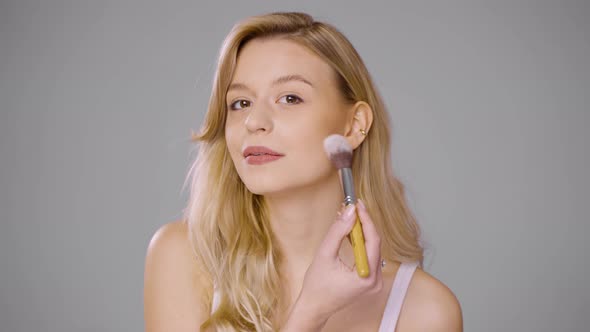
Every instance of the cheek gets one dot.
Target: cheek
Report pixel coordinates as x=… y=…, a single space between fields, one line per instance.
x=308 y=143
x=307 y=133
x=234 y=124
x=233 y=140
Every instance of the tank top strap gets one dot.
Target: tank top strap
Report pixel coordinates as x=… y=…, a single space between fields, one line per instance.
x=396 y=296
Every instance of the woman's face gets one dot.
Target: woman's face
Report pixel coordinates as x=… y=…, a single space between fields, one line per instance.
x=285 y=98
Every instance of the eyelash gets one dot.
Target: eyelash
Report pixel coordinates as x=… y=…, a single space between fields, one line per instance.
x=299 y=101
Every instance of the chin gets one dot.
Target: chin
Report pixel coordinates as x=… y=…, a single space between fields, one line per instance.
x=275 y=186
x=263 y=188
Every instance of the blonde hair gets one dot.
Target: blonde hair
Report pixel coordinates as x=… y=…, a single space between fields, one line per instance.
x=229 y=226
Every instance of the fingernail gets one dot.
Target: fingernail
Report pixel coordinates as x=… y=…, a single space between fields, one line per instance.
x=361 y=204
x=349 y=212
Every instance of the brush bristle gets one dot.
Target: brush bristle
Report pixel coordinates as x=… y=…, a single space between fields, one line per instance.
x=339 y=151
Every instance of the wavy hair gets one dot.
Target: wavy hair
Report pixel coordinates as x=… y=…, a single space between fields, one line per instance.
x=229 y=227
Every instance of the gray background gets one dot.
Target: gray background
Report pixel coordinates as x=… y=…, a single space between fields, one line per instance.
x=490 y=108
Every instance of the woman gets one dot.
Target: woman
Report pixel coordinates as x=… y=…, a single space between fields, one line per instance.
x=260 y=247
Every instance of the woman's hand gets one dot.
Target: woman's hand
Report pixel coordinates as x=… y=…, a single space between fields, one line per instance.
x=329 y=284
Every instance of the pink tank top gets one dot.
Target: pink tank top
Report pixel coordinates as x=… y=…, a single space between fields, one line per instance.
x=394 y=300
x=396 y=296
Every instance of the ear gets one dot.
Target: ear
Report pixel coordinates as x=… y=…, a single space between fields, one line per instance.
x=360 y=117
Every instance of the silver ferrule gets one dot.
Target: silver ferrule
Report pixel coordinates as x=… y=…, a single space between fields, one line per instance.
x=348 y=186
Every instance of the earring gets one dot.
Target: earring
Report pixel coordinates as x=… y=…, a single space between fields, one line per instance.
x=363 y=132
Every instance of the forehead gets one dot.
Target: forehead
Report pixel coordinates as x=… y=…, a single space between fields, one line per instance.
x=262 y=60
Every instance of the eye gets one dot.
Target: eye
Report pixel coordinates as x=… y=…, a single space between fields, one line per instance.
x=292 y=99
x=239 y=104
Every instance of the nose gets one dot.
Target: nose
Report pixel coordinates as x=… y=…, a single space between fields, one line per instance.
x=259 y=119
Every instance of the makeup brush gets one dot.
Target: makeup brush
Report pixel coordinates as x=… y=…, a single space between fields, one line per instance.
x=340 y=154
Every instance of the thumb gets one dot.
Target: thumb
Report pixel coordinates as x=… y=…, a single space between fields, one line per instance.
x=339 y=229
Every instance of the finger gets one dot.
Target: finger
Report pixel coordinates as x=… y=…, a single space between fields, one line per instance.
x=372 y=238
x=339 y=229
x=341 y=210
x=373 y=247
x=339 y=216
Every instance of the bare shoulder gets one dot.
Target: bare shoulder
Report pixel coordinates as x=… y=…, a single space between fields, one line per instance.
x=173 y=288
x=430 y=306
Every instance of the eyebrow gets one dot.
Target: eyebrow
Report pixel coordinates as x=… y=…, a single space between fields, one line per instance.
x=280 y=80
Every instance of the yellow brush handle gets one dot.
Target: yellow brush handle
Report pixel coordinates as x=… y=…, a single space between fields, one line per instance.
x=360 y=252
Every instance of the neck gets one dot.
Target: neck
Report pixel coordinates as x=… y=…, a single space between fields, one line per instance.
x=300 y=219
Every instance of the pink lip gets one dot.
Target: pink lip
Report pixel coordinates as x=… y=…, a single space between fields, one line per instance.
x=257 y=155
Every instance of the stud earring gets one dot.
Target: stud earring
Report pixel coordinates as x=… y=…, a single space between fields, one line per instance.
x=363 y=132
